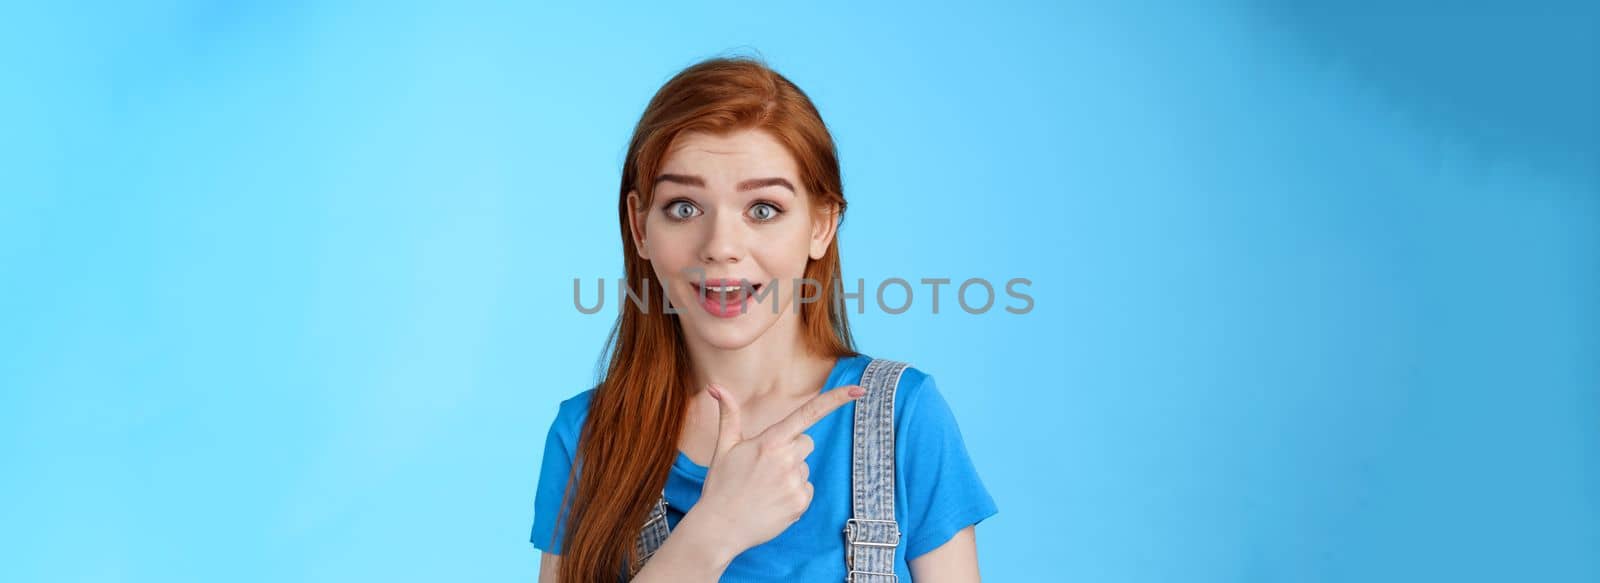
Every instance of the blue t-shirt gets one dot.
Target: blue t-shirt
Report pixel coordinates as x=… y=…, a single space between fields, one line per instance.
x=937 y=490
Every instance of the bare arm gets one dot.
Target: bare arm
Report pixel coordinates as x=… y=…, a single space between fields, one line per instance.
x=549 y=568
x=955 y=561
x=688 y=554
x=692 y=552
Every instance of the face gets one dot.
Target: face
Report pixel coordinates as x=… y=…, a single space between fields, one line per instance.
x=730 y=207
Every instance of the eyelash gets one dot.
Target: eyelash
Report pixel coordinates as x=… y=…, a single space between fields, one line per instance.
x=666 y=209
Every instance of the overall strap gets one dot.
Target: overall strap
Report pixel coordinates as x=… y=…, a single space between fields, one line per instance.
x=872 y=534
x=652 y=535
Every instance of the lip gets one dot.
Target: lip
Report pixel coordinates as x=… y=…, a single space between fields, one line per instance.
x=716 y=304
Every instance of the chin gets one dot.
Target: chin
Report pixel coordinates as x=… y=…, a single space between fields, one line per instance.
x=723 y=335
x=729 y=339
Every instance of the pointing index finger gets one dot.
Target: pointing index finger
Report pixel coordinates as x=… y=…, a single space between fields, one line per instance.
x=813 y=411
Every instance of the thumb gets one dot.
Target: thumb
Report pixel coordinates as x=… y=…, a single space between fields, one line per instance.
x=728 y=423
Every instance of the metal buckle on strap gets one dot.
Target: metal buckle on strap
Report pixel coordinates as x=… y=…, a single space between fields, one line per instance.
x=855 y=526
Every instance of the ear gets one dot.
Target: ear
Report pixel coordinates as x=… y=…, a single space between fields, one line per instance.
x=636 y=216
x=824 y=224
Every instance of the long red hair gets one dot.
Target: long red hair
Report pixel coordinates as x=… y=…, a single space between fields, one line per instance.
x=630 y=439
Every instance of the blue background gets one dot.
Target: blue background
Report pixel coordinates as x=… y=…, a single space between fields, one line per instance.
x=285 y=287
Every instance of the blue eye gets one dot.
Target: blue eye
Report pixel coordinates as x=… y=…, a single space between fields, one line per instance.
x=764 y=212
x=681 y=210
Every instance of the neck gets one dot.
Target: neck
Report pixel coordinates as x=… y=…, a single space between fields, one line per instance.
x=778 y=364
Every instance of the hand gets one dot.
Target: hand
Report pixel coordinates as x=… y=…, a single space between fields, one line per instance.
x=755 y=488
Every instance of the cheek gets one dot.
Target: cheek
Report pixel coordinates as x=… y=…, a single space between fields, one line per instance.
x=784 y=254
x=670 y=245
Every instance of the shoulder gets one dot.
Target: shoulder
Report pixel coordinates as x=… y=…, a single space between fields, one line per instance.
x=917 y=394
x=577 y=404
x=915 y=388
x=570 y=416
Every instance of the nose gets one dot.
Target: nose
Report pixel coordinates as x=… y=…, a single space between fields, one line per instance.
x=724 y=244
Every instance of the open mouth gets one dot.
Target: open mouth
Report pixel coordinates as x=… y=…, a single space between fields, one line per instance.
x=725 y=298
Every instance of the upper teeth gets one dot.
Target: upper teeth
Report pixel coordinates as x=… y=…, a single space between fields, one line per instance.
x=722 y=288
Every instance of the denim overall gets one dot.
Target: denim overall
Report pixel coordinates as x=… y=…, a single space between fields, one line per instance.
x=872 y=535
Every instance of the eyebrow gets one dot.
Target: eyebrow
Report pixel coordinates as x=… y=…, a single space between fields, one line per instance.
x=751 y=184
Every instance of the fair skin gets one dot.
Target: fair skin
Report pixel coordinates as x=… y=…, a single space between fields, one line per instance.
x=732 y=206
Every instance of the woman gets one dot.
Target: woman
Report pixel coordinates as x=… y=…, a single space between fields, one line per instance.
x=731 y=384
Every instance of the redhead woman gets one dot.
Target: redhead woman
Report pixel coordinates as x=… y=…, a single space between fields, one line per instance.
x=737 y=434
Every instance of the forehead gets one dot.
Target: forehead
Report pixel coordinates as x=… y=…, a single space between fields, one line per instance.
x=730 y=156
